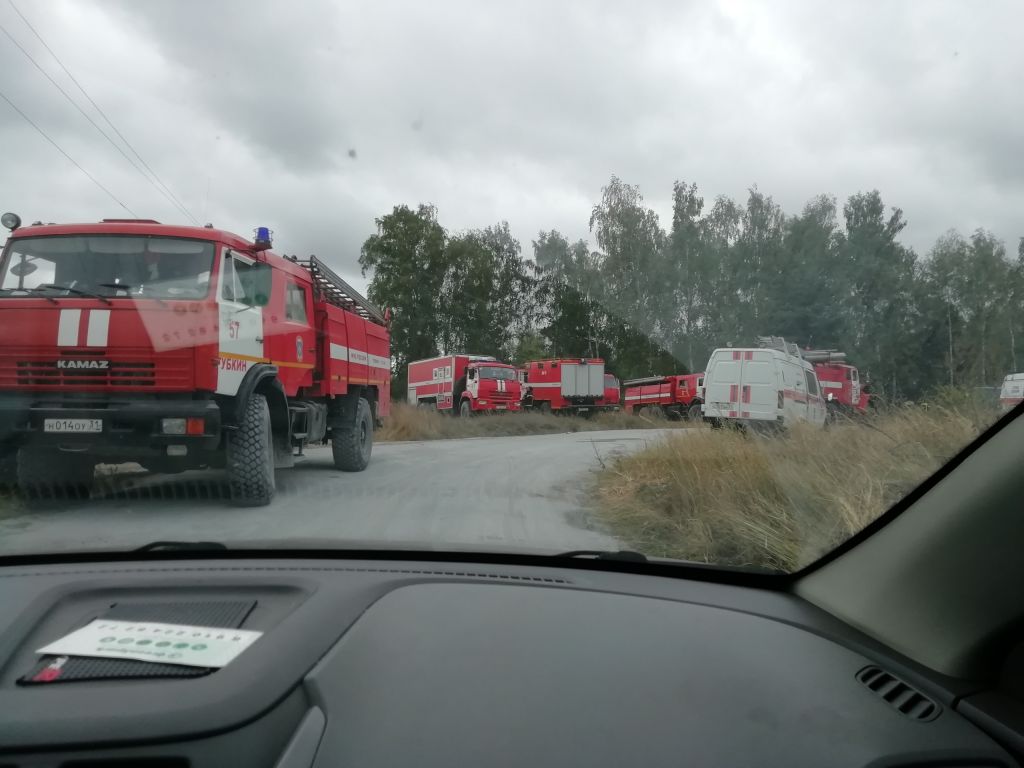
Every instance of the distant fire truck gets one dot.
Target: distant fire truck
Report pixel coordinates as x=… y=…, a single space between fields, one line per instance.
x=673 y=396
x=840 y=382
x=464 y=385
x=612 y=393
x=564 y=385
x=179 y=348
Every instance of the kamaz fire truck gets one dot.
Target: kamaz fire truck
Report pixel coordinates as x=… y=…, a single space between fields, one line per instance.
x=464 y=385
x=565 y=385
x=179 y=348
x=673 y=396
x=840 y=382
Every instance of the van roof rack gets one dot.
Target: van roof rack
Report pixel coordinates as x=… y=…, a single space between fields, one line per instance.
x=779 y=343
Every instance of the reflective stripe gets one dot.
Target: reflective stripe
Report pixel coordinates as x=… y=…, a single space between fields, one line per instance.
x=98 y=329
x=67 y=328
x=338 y=352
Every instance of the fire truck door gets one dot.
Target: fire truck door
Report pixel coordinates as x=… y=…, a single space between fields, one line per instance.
x=241 y=294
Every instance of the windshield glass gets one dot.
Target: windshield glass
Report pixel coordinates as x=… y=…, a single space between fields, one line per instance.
x=495 y=372
x=761 y=261
x=110 y=265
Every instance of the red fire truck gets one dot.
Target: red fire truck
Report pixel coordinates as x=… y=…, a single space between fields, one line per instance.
x=179 y=348
x=464 y=385
x=840 y=382
x=673 y=396
x=612 y=393
x=565 y=385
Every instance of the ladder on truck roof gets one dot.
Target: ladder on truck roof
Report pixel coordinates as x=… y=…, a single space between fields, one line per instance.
x=644 y=381
x=339 y=293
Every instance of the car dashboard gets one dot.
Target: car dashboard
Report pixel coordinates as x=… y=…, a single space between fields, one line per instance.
x=385 y=663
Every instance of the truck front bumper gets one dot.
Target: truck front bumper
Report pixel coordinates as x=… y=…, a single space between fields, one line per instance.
x=129 y=427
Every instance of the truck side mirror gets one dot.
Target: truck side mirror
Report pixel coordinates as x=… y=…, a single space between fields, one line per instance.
x=23 y=269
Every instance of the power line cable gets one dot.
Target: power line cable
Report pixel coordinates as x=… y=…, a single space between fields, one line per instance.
x=103 y=114
x=69 y=157
x=86 y=115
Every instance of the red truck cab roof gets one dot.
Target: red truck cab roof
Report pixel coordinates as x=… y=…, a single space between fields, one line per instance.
x=151 y=228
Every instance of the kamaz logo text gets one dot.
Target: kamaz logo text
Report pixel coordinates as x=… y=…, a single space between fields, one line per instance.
x=92 y=365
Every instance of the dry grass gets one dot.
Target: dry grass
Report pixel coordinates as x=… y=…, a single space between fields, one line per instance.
x=720 y=496
x=408 y=423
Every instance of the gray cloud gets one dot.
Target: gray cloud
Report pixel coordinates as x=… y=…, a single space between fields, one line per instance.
x=314 y=118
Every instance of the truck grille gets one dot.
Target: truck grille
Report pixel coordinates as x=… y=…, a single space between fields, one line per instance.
x=119 y=374
x=25 y=370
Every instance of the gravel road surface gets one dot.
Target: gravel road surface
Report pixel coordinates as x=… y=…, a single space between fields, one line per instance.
x=504 y=492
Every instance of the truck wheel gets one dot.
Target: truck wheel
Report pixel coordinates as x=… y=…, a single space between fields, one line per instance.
x=544 y=407
x=49 y=474
x=693 y=413
x=352 y=445
x=466 y=409
x=250 y=456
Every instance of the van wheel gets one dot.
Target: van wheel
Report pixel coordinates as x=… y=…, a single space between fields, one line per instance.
x=693 y=413
x=49 y=474
x=250 y=456
x=351 y=446
x=466 y=409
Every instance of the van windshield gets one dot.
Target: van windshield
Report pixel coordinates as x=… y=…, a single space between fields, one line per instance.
x=108 y=265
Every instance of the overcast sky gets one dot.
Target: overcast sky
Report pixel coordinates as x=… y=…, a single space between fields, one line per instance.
x=314 y=118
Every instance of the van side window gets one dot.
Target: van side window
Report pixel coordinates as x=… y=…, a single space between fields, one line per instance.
x=295 y=303
x=812 y=383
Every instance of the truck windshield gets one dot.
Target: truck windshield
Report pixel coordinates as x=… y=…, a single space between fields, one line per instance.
x=494 y=372
x=108 y=265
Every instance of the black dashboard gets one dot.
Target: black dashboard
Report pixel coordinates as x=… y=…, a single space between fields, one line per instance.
x=389 y=663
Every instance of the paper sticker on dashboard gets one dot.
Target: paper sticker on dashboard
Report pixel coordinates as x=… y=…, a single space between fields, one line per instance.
x=151 y=641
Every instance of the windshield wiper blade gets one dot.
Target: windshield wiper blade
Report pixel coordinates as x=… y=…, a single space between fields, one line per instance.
x=128 y=289
x=181 y=546
x=76 y=291
x=31 y=291
x=623 y=555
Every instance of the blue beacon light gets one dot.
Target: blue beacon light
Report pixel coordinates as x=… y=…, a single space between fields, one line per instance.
x=263 y=238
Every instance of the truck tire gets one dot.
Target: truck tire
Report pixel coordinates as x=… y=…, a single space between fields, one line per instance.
x=693 y=413
x=465 y=408
x=352 y=445
x=250 y=456
x=49 y=474
x=544 y=407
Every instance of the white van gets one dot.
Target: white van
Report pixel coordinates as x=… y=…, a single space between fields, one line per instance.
x=768 y=385
x=1012 y=391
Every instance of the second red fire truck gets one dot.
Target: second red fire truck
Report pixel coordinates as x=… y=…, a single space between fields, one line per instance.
x=565 y=385
x=673 y=396
x=464 y=385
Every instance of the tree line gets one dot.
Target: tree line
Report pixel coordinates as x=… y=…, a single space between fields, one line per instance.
x=652 y=300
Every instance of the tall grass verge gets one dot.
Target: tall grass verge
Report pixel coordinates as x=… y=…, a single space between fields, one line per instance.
x=724 y=497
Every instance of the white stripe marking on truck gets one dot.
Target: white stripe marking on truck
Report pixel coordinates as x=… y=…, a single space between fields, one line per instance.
x=67 y=327
x=98 y=329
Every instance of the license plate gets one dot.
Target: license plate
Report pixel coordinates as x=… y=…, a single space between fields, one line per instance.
x=72 y=425
x=500 y=407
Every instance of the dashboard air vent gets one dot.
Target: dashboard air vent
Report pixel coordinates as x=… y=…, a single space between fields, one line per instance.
x=899 y=695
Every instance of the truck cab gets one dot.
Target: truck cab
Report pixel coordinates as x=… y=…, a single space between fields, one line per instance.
x=179 y=348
